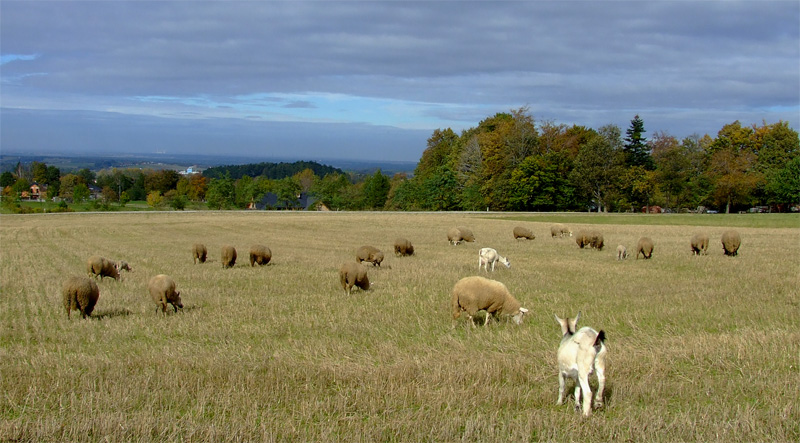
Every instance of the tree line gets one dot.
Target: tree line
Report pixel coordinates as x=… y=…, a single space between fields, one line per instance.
x=511 y=163
x=508 y=162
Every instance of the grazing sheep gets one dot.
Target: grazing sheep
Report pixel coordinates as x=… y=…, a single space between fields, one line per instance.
x=644 y=247
x=459 y=234
x=559 y=230
x=622 y=252
x=521 y=232
x=489 y=255
x=580 y=354
x=81 y=294
x=260 y=254
x=590 y=238
x=162 y=289
x=699 y=244
x=403 y=247
x=369 y=254
x=228 y=256
x=473 y=294
x=731 y=242
x=199 y=252
x=124 y=266
x=353 y=274
x=101 y=267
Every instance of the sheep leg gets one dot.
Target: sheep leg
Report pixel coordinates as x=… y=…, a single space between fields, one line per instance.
x=577 y=395
x=561 y=383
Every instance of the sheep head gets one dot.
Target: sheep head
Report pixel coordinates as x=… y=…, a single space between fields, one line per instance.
x=519 y=315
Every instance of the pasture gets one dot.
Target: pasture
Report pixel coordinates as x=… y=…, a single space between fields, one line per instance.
x=699 y=348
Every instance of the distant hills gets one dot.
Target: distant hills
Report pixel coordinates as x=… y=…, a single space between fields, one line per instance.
x=67 y=163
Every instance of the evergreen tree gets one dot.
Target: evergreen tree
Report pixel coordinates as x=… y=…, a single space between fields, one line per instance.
x=637 y=152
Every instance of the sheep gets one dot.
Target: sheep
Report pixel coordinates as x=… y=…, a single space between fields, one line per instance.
x=521 y=232
x=101 y=267
x=473 y=294
x=590 y=238
x=353 y=274
x=369 y=254
x=199 y=253
x=644 y=247
x=489 y=255
x=579 y=354
x=731 y=242
x=622 y=252
x=699 y=244
x=162 y=289
x=559 y=230
x=81 y=294
x=403 y=247
x=459 y=234
x=260 y=254
x=228 y=256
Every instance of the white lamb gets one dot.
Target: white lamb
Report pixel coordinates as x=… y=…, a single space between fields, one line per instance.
x=580 y=354
x=489 y=255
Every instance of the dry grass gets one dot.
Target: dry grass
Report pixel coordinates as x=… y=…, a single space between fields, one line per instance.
x=700 y=348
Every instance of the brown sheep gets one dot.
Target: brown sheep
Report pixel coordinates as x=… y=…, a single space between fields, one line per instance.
x=353 y=274
x=369 y=254
x=731 y=242
x=228 y=256
x=473 y=294
x=560 y=231
x=459 y=234
x=260 y=254
x=644 y=247
x=102 y=267
x=81 y=294
x=596 y=240
x=593 y=239
x=521 y=232
x=403 y=247
x=162 y=289
x=699 y=244
x=199 y=253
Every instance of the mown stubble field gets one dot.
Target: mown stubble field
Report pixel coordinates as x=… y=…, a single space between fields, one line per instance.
x=700 y=348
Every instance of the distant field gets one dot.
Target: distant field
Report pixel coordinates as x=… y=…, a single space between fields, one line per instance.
x=700 y=348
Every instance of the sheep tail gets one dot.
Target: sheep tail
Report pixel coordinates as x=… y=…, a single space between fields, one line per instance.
x=598 y=342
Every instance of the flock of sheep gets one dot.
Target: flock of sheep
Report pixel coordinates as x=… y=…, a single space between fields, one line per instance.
x=581 y=353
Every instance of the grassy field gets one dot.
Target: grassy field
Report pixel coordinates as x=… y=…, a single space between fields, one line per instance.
x=700 y=348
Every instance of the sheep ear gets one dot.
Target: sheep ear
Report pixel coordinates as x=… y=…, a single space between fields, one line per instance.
x=523 y=310
x=577 y=317
x=558 y=320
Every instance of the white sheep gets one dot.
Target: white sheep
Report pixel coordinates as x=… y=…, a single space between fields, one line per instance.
x=580 y=354
x=473 y=294
x=622 y=252
x=489 y=255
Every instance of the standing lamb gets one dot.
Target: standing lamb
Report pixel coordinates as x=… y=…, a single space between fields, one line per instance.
x=369 y=254
x=473 y=294
x=81 y=294
x=699 y=244
x=559 y=230
x=353 y=274
x=731 y=242
x=459 y=234
x=199 y=253
x=489 y=255
x=162 y=289
x=260 y=254
x=228 y=256
x=644 y=247
x=101 y=267
x=580 y=354
x=522 y=232
x=403 y=247
x=622 y=252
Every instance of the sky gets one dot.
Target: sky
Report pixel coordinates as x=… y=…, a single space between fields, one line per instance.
x=371 y=80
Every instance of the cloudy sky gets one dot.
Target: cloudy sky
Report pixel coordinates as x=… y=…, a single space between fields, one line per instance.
x=372 y=79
